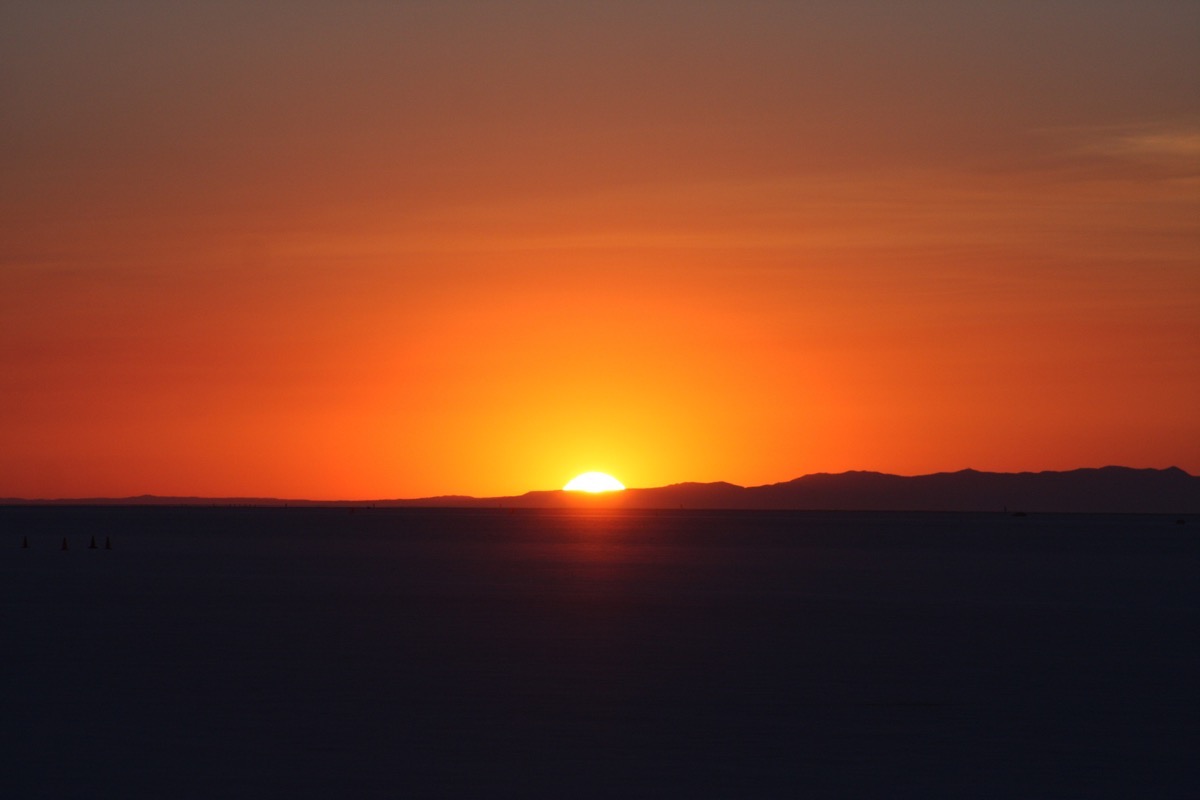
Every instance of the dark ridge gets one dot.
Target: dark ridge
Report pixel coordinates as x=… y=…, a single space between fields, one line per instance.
x=1092 y=490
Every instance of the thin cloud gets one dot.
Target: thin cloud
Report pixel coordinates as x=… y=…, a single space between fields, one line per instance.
x=1166 y=146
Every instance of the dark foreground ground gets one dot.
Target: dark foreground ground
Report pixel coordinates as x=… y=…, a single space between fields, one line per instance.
x=221 y=653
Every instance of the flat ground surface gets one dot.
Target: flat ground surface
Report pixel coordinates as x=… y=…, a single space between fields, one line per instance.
x=395 y=653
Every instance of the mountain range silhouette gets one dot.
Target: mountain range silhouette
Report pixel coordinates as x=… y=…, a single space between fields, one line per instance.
x=1103 y=490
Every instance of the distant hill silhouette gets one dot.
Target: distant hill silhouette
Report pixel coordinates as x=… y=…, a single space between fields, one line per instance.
x=1110 y=489
x=1104 y=490
x=1107 y=490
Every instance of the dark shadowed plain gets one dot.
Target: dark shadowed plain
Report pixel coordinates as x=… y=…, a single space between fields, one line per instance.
x=226 y=652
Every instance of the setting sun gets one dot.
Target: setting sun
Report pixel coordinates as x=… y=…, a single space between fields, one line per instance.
x=594 y=482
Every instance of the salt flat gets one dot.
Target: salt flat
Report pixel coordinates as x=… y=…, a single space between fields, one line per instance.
x=250 y=652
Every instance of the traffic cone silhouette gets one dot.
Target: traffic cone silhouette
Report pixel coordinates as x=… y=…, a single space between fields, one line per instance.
x=24 y=542
x=107 y=544
x=92 y=546
x=64 y=547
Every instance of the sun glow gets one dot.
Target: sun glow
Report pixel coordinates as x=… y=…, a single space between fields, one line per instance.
x=593 y=482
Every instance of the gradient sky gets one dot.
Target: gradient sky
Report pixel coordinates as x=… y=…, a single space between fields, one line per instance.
x=369 y=249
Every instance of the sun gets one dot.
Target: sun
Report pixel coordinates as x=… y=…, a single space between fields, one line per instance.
x=593 y=482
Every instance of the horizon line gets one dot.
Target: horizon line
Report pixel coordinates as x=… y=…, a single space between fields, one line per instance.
x=249 y=499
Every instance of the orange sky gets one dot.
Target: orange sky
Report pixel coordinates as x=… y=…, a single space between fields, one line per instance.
x=394 y=250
